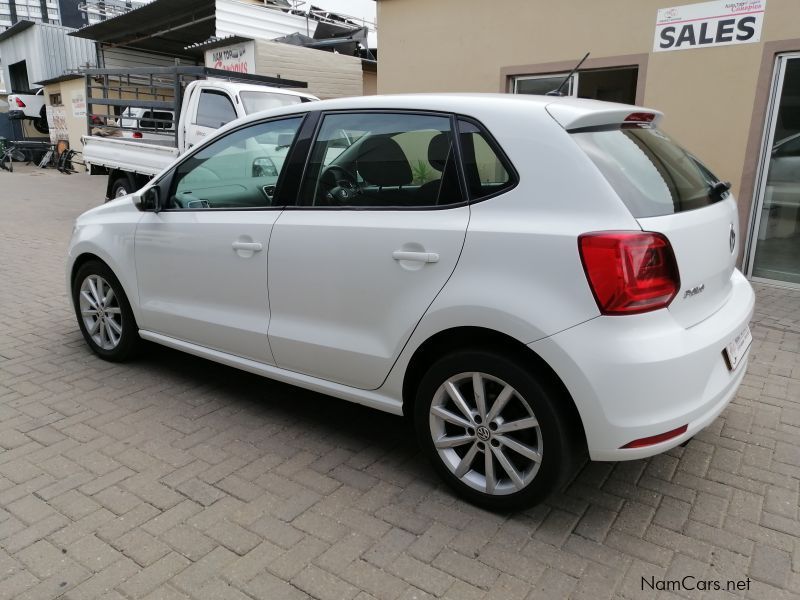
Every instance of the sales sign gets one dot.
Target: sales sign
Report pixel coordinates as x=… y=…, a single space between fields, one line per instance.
x=238 y=57
x=718 y=23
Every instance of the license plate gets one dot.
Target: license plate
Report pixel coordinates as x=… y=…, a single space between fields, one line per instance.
x=735 y=351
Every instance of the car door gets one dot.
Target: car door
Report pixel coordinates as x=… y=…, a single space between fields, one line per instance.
x=211 y=109
x=201 y=262
x=377 y=232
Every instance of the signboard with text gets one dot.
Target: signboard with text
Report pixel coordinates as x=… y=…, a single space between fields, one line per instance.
x=237 y=57
x=707 y=24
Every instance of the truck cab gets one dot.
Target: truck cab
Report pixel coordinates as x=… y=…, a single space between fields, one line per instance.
x=211 y=104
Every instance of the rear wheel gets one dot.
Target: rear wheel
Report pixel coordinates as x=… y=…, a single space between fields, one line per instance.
x=121 y=187
x=104 y=314
x=498 y=435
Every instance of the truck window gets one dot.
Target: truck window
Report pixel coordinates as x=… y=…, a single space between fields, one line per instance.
x=214 y=109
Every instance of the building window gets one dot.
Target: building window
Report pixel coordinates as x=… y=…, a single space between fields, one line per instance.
x=616 y=84
x=55 y=99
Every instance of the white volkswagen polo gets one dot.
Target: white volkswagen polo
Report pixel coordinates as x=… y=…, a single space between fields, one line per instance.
x=527 y=278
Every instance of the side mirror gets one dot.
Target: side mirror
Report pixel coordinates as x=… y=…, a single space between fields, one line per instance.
x=149 y=199
x=264 y=167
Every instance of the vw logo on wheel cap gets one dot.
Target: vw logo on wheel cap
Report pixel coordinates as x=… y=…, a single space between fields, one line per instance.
x=483 y=433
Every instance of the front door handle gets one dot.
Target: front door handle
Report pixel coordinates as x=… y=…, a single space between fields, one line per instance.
x=425 y=257
x=249 y=246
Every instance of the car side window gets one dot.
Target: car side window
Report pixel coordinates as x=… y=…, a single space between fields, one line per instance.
x=214 y=109
x=382 y=160
x=240 y=170
x=484 y=170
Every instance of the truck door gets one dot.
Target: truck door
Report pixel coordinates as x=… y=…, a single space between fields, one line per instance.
x=209 y=109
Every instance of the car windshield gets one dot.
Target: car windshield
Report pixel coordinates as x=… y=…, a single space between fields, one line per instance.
x=257 y=101
x=652 y=174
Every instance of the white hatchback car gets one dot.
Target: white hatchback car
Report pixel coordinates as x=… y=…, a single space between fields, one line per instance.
x=525 y=277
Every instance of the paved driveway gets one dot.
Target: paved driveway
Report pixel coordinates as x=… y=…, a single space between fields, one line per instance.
x=173 y=477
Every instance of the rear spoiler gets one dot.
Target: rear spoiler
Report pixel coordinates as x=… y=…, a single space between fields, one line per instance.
x=578 y=116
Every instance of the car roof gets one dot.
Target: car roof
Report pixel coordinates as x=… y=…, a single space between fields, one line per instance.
x=570 y=112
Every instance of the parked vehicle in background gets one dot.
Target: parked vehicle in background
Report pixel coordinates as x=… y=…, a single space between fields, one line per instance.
x=164 y=113
x=524 y=277
x=29 y=106
x=143 y=123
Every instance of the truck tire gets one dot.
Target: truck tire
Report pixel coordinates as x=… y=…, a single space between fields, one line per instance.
x=40 y=123
x=121 y=187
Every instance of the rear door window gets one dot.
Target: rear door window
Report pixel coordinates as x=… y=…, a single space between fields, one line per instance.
x=485 y=172
x=652 y=174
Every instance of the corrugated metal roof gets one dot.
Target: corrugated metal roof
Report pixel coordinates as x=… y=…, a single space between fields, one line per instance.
x=166 y=26
x=15 y=29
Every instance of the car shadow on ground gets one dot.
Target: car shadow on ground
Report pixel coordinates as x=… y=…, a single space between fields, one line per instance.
x=269 y=407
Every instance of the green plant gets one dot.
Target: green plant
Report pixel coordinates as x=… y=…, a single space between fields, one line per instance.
x=422 y=172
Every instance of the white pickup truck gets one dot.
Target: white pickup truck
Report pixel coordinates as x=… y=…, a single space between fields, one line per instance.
x=144 y=140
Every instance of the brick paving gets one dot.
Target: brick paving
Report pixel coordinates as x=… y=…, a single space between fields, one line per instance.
x=173 y=478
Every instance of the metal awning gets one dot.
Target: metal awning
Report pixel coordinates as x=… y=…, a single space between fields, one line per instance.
x=165 y=26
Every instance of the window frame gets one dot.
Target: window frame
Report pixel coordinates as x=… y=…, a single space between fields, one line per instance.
x=453 y=119
x=164 y=183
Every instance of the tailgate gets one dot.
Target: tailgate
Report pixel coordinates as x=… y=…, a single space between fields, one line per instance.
x=705 y=243
x=669 y=191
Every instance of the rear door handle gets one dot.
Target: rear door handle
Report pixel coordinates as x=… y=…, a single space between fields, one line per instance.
x=251 y=246
x=426 y=257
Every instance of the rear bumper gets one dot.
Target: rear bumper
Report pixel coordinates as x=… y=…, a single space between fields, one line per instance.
x=16 y=114
x=638 y=376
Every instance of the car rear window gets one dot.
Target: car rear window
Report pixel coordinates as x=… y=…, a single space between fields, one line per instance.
x=652 y=175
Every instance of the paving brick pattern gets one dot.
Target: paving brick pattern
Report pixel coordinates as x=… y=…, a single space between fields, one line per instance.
x=173 y=478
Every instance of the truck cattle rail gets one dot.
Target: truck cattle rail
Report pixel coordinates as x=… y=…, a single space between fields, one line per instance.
x=140 y=120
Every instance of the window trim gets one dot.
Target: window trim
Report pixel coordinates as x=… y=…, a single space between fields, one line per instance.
x=494 y=145
x=165 y=181
x=453 y=119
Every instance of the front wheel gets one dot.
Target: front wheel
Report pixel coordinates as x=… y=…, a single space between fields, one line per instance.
x=104 y=314
x=497 y=434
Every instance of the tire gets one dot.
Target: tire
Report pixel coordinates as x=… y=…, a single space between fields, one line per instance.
x=40 y=123
x=548 y=438
x=121 y=187
x=116 y=337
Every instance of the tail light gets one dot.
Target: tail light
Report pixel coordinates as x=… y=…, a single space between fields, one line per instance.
x=640 y=117
x=19 y=102
x=629 y=272
x=137 y=135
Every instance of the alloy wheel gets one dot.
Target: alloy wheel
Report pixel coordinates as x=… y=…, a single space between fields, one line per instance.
x=101 y=312
x=486 y=433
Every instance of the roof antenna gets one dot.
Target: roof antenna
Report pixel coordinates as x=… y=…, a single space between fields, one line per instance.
x=557 y=91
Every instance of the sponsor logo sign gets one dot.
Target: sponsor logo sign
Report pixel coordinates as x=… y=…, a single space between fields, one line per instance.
x=238 y=57
x=707 y=24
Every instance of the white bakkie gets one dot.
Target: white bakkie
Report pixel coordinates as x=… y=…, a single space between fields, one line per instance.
x=525 y=278
x=147 y=143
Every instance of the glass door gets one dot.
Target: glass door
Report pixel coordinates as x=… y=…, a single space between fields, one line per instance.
x=775 y=240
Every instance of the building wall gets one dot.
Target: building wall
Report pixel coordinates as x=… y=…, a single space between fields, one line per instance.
x=48 y=52
x=76 y=123
x=707 y=94
x=328 y=75
x=370 y=83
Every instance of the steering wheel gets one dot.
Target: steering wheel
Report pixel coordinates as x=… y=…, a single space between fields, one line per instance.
x=339 y=186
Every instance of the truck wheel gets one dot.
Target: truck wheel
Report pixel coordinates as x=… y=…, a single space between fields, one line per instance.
x=121 y=187
x=40 y=123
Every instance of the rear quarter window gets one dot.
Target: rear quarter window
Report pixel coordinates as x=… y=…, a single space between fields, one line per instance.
x=651 y=174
